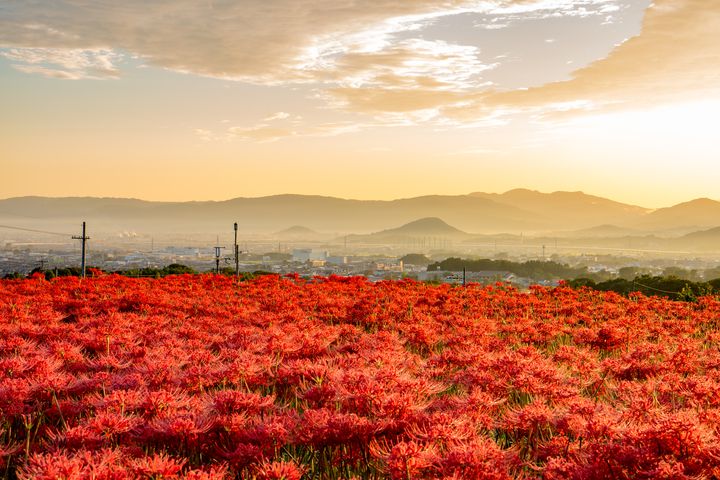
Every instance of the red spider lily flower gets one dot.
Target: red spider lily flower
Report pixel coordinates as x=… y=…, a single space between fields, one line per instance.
x=102 y=465
x=321 y=428
x=242 y=455
x=405 y=460
x=284 y=470
x=164 y=402
x=481 y=459
x=119 y=401
x=7 y=451
x=112 y=426
x=225 y=402
x=212 y=473
x=52 y=467
x=159 y=465
x=178 y=430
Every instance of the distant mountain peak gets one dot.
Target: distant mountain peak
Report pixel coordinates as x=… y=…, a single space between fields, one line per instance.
x=428 y=221
x=425 y=226
x=703 y=201
x=520 y=190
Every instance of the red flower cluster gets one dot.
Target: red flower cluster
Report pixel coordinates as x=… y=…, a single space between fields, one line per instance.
x=278 y=378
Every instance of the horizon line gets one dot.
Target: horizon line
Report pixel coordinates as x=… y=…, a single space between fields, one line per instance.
x=470 y=194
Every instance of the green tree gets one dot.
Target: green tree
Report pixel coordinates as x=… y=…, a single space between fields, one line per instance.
x=415 y=259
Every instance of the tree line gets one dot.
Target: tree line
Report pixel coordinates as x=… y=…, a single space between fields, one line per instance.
x=671 y=287
x=533 y=269
x=151 y=272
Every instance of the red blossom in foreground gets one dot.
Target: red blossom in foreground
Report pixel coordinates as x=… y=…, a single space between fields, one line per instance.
x=204 y=377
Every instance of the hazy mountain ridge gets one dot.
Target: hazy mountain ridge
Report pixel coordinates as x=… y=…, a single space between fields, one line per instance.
x=275 y=212
x=702 y=240
x=516 y=211
x=573 y=207
x=692 y=215
x=606 y=230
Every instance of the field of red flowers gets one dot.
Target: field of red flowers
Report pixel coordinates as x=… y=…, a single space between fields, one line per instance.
x=278 y=378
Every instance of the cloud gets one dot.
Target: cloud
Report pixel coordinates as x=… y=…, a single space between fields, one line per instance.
x=261 y=133
x=205 y=135
x=279 y=126
x=269 y=133
x=412 y=64
x=363 y=55
x=278 y=116
x=252 y=40
x=676 y=57
x=65 y=63
x=394 y=100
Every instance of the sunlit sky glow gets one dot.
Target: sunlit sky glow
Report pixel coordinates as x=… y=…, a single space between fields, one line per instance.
x=188 y=100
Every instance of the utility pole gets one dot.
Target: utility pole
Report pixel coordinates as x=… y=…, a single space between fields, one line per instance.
x=217 y=259
x=84 y=239
x=237 y=252
x=218 y=248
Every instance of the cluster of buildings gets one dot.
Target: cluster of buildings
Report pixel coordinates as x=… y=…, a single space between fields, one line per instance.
x=306 y=261
x=317 y=262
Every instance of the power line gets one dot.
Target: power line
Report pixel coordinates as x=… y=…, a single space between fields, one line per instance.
x=10 y=227
x=656 y=289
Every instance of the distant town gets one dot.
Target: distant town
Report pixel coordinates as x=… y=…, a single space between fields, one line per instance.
x=423 y=259
x=521 y=237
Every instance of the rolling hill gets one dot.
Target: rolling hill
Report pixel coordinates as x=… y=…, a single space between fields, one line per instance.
x=298 y=232
x=424 y=227
x=430 y=231
x=701 y=240
x=692 y=215
x=568 y=208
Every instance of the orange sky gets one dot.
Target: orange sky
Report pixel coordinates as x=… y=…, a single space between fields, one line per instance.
x=186 y=100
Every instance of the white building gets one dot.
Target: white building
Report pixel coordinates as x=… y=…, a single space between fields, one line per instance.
x=309 y=254
x=337 y=260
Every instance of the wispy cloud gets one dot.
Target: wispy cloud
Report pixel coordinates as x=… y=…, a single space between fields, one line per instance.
x=261 y=133
x=67 y=63
x=278 y=126
x=277 y=116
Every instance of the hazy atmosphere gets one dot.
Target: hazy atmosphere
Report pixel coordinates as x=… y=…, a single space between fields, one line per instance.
x=183 y=100
x=359 y=239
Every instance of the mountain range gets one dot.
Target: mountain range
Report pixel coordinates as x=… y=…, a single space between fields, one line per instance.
x=515 y=211
x=435 y=233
